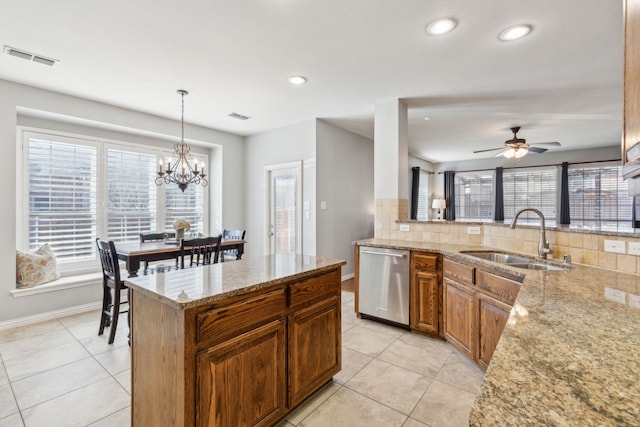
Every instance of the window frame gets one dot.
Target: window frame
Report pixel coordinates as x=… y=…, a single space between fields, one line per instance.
x=458 y=176
x=102 y=145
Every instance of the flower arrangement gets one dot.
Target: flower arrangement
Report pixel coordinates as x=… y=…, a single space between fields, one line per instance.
x=182 y=224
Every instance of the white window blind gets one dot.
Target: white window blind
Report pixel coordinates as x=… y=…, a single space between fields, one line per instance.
x=530 y=189
x=474 y=195
x=423 y=196
x=598 y=198
x=131 y=194
x=188 y=205
x=62 y=196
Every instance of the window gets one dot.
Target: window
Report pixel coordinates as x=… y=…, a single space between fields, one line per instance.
x=598 y=198
x=474 y=196
x=530 y=188
x=78 y=189
x=423 y=196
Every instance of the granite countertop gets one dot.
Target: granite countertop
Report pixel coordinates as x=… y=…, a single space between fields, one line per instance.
x=570 y=352
x=193 y=287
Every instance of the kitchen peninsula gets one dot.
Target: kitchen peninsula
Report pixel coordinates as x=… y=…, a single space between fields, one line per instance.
x=570 y=350
x=238 y=343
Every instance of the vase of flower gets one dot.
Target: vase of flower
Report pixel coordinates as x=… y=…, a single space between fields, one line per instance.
x=181 y=225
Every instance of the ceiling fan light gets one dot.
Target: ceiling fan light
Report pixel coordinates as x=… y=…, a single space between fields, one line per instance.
x=509 y=153
x=521 y=152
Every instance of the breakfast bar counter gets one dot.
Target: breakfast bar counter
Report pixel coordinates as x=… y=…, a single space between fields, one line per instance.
x=570 y=351
x=235 y=343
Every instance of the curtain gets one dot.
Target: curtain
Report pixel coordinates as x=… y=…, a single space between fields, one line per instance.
x=565 y=215
x=415 y=188
x=635 y=221
x=498 y=214
x=450 y=195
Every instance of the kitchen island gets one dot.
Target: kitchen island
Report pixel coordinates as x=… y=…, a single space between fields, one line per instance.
x=570 y=350
x=239 y=343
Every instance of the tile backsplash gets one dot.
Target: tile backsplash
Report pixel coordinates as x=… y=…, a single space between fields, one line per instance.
x=584 y=248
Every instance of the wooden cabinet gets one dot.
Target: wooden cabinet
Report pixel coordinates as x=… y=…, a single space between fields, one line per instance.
x=247 y=359
x=631 y=114
x=492 y=317
x=477 y=304
x=426 y=294
x=242 y=381
x=459 y=320
x=314 y=347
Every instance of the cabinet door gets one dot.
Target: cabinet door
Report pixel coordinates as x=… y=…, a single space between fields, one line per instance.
x=631 y=125
x=315 y=347
x=459 y=324
x=425 y=302
x=492 y=317
x=242 y=382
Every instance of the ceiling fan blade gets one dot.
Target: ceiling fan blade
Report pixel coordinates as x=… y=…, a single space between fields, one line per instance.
x=550 y=144
x=490 y=149
x=533 y=149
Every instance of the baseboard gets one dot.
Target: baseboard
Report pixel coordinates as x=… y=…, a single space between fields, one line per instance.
x=348 y=276
x=56 y=314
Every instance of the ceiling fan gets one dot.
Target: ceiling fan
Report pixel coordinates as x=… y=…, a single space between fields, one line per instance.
x=518 y=147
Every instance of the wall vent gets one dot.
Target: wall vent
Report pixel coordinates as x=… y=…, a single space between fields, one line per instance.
x=239 y=116
x=18 y=53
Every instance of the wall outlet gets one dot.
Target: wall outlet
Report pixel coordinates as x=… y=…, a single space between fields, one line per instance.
x=404 y=227
x=634 y=248
x=617 y=246
x=473 y=230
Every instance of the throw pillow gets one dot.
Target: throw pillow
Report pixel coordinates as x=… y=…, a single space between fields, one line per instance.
x=36 y=268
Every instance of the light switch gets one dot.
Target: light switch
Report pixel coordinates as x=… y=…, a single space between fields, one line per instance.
x=634 y=248
x=404 y=227
x=473 y=230
x=323 y=205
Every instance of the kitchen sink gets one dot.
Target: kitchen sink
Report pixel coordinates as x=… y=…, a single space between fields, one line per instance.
x=511 y=260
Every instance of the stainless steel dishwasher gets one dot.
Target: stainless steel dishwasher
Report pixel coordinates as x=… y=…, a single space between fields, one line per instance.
x=383 y=284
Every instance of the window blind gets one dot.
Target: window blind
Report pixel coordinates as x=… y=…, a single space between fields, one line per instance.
x=131 y=194
x=62 y=196
x=474 y=195
x=423 y=197
x=598 y=198
x=535 y=189
x=188 y=205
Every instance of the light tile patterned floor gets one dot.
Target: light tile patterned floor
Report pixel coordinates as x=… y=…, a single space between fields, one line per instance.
x=60 y=373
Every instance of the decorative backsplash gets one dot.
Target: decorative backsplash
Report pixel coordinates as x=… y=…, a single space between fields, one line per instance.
x=584 y=248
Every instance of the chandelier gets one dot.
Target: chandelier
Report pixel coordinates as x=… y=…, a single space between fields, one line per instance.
x=181 y=171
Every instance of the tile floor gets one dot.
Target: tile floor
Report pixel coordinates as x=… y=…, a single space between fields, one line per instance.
x=60 y=373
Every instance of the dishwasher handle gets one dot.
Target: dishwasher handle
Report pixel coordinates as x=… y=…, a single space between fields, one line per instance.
x=404 y=255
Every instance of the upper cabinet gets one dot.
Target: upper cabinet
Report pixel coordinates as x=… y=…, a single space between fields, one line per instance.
x=631 y=125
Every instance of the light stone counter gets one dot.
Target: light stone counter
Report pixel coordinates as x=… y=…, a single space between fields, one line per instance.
x=570 y=352
x=193 y=287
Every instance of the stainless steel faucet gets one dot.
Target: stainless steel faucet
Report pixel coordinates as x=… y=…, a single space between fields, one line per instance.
x=543 y=245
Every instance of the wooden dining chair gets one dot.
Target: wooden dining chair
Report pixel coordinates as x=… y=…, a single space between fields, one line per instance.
x=232 y=254
x=111 y=282
x=158 y=237
x=203 y=250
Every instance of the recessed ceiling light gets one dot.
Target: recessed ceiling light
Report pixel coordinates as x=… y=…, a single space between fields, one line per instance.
x=427 y=118
x=441 y=26
x=514 y=33
x=297 y=80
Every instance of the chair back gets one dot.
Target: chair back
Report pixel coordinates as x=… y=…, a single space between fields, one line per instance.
x=109 y=261
x=233 y=234
x=205 y=250
x=156 y=237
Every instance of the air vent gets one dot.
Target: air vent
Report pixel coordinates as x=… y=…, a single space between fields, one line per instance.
x=30 y=56
x=239 y=116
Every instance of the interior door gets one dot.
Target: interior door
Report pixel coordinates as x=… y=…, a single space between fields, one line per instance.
x=284 y=223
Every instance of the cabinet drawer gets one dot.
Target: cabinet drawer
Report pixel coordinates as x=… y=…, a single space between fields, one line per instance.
x=503 y=289
x=424 y=262
x=459 y=272
x=221 y=323
x=314 y=287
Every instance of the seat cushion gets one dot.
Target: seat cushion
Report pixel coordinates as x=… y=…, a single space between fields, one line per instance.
x=36 y=268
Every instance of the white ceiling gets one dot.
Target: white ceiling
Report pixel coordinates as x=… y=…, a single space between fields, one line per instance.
x=562 y=83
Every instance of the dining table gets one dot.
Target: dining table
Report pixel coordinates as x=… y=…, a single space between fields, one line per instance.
x=132 y=253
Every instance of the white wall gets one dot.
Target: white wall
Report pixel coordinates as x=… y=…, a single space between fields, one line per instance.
x=227 y=180
x=345 y=183
x=289 y=144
